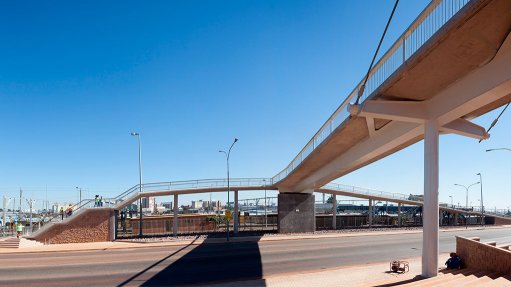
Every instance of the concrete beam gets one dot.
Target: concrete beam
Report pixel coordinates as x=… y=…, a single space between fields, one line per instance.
x=465 y=128
x=389 y=137
x=401 y=111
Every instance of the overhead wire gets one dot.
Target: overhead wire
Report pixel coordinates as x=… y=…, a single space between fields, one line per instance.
x=495 y=120
x=362 y=88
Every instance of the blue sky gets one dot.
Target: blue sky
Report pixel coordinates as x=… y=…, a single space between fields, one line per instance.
x=77 y=77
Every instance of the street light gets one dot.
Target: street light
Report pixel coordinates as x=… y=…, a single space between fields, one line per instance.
x=136 y=134
x=482 y=205
x=451 y=200
x=80 y=189
x=466 y=189
x=227 y=155
x=502 y=148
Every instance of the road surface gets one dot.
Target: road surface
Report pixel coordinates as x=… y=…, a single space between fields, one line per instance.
x=209 y=263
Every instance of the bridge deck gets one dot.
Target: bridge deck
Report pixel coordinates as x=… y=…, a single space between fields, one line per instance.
x=467 y=41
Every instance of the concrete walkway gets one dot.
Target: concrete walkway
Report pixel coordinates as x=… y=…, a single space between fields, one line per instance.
x=377 y=274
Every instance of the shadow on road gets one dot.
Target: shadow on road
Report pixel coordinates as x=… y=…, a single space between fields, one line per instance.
x=208 y=263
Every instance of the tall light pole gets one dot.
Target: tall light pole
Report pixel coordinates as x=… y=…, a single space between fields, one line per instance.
x=451 y=201
x=466 y=190
x=136 y=134
x=80 y=190
x=227 y=155
x=482 y=205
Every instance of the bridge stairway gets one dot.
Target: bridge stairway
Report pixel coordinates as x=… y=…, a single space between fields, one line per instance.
x=11 y=242
x=464 y=278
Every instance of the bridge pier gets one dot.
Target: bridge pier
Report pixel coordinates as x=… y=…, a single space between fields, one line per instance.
x=399 y=214
x=176 y=212
x=236 y=211
x=456 y=218
x=296 y=212
x=430 y=209
x=334 y=211
x=370 y=213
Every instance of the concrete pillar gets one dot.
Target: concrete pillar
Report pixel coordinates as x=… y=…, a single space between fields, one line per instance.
x=113 y=225
x=296 y=212
x=236 y=210
x=430 y=209
x=175 y=218
x=334 y=211
x=399 y=214
x=456 y=219
x=370 y=213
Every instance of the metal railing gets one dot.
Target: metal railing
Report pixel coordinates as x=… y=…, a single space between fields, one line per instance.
x=189 y=184
x=436 y=14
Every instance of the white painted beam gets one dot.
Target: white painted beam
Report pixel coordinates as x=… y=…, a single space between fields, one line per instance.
x=403 y=111
x=465 y=128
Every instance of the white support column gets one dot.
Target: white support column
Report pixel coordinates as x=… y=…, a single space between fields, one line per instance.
x=456 y=219
x=236 y=211
x=175 y=218
x=399 y=214
x=370 y=213
x=334 y=211
x=430 y=209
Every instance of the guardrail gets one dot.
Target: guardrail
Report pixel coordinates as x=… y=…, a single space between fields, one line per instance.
x=436 y=14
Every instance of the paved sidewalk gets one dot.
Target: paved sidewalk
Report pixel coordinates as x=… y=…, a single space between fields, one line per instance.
x=196 y=241
x=377 y=274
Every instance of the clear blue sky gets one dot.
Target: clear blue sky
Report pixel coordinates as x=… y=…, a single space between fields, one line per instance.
x=77 y=77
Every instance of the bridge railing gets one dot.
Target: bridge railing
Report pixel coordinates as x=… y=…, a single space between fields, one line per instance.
x=436 y=14
x=189 y=184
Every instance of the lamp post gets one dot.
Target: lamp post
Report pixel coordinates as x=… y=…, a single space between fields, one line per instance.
x=451 y=200
x=227 y=156
x=502 y=148
x=466 y=190
x=482 y=205
x=136 y=134
x=80 y=190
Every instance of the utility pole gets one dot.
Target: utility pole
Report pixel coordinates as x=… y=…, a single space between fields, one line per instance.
x=30 y=204
x=19 y=211
x=4 y=208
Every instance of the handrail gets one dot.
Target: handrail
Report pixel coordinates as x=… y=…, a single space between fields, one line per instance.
x=431 y=19
x=189 y=184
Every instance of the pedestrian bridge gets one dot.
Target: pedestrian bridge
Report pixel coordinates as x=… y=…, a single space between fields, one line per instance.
x=450 y=66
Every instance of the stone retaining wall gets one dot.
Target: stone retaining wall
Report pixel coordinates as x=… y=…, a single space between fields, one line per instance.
x=483 y=256
x=91 y=225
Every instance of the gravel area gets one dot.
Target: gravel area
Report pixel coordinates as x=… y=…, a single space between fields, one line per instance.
x=241 y=234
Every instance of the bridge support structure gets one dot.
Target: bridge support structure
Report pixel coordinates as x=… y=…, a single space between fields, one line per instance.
x=430 y=209
x=399 y=216
x=334 y=211
x=236 y=212
x=175 y=219
x=370 y=213
x=296 y=212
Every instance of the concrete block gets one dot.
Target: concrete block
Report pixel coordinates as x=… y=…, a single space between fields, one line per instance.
x=296 y=213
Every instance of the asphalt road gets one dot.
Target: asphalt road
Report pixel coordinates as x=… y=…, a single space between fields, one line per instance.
x=208 y=263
